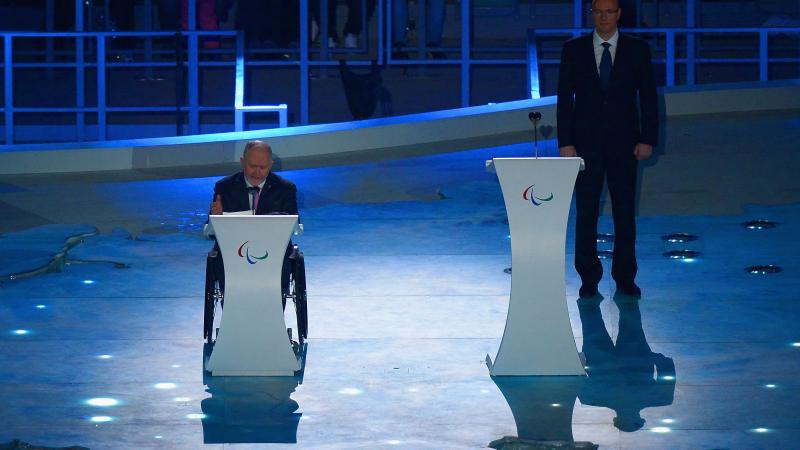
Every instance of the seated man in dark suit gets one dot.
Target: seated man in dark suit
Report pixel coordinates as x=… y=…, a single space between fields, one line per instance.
x=256 y=188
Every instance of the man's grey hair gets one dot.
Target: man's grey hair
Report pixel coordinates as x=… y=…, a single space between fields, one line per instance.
x=256 y=144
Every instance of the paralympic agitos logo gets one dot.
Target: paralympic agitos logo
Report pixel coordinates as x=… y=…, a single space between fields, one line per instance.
x=250 y=258
x=529 y=196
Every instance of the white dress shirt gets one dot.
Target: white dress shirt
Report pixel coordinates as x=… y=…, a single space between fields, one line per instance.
x=598 y=47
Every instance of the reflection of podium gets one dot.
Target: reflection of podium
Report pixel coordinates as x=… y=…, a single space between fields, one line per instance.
x=252 y=338
x=250 y=410
x=538 y=337
x=542 y=408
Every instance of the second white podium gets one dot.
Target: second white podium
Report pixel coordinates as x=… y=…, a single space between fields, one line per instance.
x=538 y=337
x=252 y=338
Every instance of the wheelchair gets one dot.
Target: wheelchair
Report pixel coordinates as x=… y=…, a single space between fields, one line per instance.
x=293 y=287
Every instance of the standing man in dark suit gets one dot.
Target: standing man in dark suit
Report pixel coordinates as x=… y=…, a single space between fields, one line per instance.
x=602 y=75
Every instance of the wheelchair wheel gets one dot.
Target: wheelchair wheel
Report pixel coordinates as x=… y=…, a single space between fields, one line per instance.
x=213 y=295
x=208 y=310
x=300 y=297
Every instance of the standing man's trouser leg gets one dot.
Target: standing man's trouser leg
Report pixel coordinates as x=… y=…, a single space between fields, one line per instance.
x=620 y=173
x=621 y=178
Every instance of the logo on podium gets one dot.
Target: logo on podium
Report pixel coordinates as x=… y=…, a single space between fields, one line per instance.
x=250 y=259
x=529 y=196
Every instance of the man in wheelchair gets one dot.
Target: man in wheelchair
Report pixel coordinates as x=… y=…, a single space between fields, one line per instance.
x=257 y=189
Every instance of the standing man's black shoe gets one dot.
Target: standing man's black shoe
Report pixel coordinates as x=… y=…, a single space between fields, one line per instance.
x=630 y=289
x=587 y=290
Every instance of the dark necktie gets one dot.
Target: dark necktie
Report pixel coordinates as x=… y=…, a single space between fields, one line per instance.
x=254 y=191
x=605 y=65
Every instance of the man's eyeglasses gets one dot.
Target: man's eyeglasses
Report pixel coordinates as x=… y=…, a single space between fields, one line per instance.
x=604 y=12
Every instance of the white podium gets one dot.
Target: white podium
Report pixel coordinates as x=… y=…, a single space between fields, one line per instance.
x=252 y=338
x=538 y=337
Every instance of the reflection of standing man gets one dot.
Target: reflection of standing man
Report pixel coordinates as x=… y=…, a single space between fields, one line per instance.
x=602 y=75
x=626 y=376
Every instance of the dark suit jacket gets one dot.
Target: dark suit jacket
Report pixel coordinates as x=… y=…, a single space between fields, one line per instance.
x=596 y=121
x=279 y=195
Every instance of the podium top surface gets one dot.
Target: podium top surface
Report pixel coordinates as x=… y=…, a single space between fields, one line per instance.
x=541 y=158
x=490 y=163
x=252 y=217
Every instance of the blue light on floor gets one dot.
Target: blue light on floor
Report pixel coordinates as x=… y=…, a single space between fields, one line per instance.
x=795 y=344
x=761 y=430
x=159 y=437
x=685 y=255
x=668 y=377
x=196 y=416
x=20 y=332
x=165 y=386
x=182 y=399
x=555 y=405
x=100 y=419
x=394 y=442
x=668 y=421
x=661 y=429
x=350 y=391
x=102 y=402
x=770 y=386
x=87 y=281
x=41 y=306
x=104 y=356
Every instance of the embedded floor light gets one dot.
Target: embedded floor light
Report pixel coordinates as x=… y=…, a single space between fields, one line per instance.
x=759 y=224
x=102 y=402
x=679 y=237
x=763 y=269
x=100 y=419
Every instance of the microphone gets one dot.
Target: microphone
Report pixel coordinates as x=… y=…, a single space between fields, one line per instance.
x=535 y=117
x=253 y=191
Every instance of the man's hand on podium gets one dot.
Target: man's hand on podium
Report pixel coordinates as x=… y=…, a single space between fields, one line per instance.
x=568 y=151
x=216 y=206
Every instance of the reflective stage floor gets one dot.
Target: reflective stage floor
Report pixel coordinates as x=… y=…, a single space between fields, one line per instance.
x=407 y=296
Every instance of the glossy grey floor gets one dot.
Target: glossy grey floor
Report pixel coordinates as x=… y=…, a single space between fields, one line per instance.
x=407 y=296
